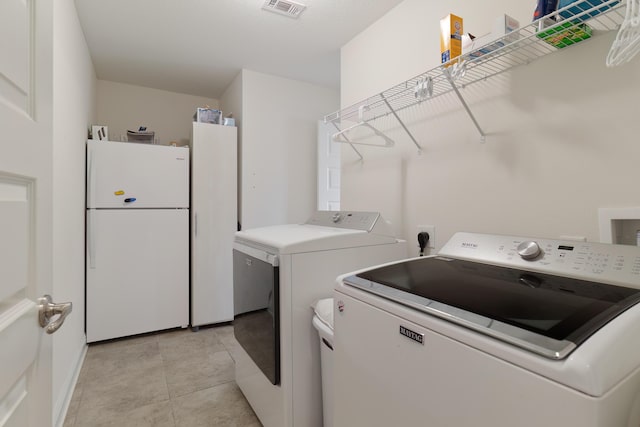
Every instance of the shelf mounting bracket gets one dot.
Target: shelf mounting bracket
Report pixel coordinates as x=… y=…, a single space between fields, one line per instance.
x=447 y=74
x=348 y=142
x=401 y=123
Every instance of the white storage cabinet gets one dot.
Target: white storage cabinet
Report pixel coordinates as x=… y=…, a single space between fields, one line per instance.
x=213 y=222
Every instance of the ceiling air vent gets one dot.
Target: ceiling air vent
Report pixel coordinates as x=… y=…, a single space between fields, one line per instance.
x=284 y=7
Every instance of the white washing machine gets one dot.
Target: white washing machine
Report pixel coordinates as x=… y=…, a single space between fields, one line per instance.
x=493 y=331
x=279 y=273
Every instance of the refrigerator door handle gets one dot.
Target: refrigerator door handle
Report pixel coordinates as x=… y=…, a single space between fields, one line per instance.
x=195 y=224
x=92 y=179
x=91 y=238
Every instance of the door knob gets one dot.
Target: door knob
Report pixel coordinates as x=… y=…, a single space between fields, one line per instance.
x=47 y=309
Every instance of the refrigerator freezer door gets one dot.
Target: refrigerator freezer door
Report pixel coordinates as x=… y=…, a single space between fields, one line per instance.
x=130 y=175
x=137 y=271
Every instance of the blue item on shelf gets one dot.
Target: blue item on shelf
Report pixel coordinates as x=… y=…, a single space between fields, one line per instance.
x=544 y=7
x=581 y=6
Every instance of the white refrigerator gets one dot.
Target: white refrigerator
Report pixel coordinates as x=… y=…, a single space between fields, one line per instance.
x=137 y=250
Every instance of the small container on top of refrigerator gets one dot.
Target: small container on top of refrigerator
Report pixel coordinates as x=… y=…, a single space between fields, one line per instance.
x=142 y=136
x=100 y=132
x=208 y=115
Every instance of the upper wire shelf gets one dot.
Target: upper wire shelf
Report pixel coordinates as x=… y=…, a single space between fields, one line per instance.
x=519 y=47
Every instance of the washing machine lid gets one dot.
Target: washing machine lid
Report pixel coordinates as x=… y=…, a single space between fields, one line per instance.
x=290 y=238
x=324 y=230
x=547 y=314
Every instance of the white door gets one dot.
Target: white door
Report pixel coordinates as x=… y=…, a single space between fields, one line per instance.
x=328 y=169
x=25 y=210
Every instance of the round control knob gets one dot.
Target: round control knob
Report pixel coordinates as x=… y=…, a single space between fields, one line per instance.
x=528 y=250
x=336 y=217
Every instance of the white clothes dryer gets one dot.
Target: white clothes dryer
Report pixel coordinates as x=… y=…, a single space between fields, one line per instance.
x=279 y=273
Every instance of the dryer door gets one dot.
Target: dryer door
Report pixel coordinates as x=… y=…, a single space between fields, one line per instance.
x=256 y=300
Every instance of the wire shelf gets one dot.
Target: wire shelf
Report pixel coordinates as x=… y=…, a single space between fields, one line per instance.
x=520 y=47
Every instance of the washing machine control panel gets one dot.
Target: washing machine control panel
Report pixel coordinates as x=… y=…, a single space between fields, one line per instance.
x=599 y=262
x=529 y=249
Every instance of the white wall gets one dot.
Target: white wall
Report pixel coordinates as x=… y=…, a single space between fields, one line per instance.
x=562 y=133
x=279 y=148
x=231 y=100
x=231 y=103
x=124 y=107
x=73 y=110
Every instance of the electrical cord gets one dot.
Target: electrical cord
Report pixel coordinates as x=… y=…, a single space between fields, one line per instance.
x=423 y=239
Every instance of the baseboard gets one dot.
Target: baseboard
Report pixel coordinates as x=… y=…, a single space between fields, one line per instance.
x=62 y=405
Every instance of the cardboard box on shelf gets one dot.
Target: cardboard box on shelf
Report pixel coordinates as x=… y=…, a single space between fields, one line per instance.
x=504 y=25
x=450 y=37
x=565 y=34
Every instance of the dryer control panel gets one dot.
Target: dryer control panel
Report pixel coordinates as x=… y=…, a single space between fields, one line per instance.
x=352 y=220
x=600 y=262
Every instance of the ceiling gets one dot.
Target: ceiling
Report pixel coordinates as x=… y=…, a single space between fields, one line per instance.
x=197 y=47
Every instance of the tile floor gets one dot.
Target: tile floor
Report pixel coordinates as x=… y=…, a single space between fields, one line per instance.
x=175 y=378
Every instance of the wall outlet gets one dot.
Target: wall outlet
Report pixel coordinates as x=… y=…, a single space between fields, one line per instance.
x=431 y=229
